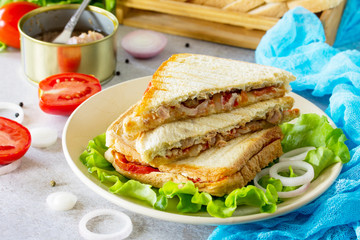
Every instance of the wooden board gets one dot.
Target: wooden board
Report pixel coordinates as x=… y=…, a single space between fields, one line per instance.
x=210 y=24
x=194 y=28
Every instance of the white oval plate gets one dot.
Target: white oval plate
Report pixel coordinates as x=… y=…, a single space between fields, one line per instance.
x=94 y=116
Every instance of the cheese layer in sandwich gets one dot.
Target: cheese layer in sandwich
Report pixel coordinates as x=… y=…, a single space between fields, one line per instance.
x=191 y=85
x=177 y=140
x=217 y=171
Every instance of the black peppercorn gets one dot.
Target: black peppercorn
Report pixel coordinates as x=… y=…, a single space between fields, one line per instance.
x=127 y=61
x=17 y=114
x=21 y=104
x=117 y=73
x=187 y=45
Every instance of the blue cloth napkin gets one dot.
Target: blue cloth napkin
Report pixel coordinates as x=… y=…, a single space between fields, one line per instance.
x=297 y=44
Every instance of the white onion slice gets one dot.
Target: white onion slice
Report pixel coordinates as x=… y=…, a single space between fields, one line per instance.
x=61 y=201
x=144 y=43
x=258 y=176
x=297 y=154
x=295 y=192
x=4 y=169
x=188 y=111
x=43 y=137
x=288 y=194
x=292 y=181
x=125 y=225
x=15 y=108
x=201 y=108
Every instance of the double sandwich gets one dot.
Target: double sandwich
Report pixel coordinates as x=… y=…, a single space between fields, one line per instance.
x=209 y=120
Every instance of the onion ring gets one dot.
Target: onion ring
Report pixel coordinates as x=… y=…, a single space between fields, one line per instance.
x=297 y=154
x=295 y=192
x=14 y=107
x=125 y=228
x=292 y=181
x=4 y=169
x=288 y=194
x=258 y=176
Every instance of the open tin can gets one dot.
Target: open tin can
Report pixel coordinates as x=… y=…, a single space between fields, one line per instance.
x=41 y=59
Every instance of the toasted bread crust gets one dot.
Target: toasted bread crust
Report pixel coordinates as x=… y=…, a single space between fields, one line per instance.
x=216 y=188
x=241 y=178
x=116 y=140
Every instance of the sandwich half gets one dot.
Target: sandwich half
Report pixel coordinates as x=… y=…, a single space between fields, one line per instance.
x=192 y=85
x=217 y=171
x=189 y=137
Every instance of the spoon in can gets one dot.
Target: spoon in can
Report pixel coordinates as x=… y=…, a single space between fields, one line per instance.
x=66 y=33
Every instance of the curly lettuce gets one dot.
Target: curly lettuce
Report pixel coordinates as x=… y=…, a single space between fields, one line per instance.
x=314 y=130
x=309 y=130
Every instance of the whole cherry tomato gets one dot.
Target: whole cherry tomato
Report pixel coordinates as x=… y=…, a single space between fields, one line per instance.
x=10 y=15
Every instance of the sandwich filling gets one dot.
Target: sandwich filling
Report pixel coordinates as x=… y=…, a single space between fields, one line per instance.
x=194 y=146
x=217 y=186
x=197 y=107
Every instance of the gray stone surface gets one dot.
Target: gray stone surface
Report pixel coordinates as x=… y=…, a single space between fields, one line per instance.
x=23 y=210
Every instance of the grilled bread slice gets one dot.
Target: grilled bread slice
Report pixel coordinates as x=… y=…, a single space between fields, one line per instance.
x=192 y=85
x=217 y=171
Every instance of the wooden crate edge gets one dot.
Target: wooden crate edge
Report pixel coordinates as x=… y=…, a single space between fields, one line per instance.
x=202 y=12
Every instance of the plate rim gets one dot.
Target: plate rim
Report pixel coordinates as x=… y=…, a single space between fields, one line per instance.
x=179 y=217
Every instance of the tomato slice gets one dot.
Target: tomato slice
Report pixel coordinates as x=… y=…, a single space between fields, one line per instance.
x=62 y=93
x=124 y=164
x=15 y=140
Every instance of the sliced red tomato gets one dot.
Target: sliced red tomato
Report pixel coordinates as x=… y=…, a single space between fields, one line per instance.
x=15 y=140
x=62 y=93
x=124 y=164
x=10 y=15
x=263 y=91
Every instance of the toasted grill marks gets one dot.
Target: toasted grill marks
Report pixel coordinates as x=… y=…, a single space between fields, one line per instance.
x=185 y=77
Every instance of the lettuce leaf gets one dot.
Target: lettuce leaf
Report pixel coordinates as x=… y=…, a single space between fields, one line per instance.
x=309 y=130
x=93 y=156
x=253 y=196
x=190 y=200
x=314 y=130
